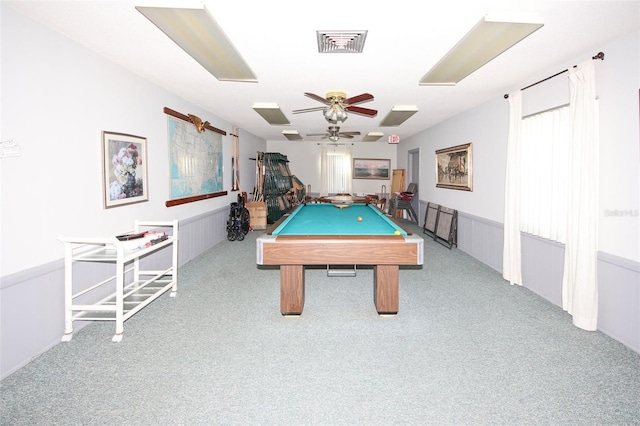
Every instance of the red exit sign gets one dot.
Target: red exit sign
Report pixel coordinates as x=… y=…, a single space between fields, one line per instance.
x=394 y=139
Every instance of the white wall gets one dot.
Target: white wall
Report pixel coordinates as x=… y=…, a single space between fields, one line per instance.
x=304 y=158
x=57 y=98
x=486 y=129
x=618 y=87
x=486 y=126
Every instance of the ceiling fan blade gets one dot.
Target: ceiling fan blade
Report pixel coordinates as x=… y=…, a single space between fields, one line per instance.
x=362 y=111
x=341 y=135
x=365 y=97
x=317 y=134
x=298 y=111
x=349 y=133
x=317 y=98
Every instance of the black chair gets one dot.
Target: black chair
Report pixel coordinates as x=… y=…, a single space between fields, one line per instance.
x=402 y=201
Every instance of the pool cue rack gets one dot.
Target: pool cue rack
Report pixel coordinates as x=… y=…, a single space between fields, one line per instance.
x=276 y=186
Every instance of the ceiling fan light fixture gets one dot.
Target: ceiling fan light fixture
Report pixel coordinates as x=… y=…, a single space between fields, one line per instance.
x=334 y=114
x=494 y=34
x=330 y=115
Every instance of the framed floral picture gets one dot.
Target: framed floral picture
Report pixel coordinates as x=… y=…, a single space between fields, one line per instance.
x=124 y=169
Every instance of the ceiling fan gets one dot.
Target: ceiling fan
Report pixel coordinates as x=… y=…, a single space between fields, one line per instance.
x=336 y=105
x=334 y=134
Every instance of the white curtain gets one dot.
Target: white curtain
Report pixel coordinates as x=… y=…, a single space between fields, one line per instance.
x=544 y=174
x=580 y=280
x=511 y=255
x=335 y=169
x=347 y=168
x=324 y=180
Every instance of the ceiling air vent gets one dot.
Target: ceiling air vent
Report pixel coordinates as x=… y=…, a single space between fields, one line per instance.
x=341 y=41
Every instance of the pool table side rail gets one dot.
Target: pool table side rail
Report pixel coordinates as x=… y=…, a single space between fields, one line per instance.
x=338 y=250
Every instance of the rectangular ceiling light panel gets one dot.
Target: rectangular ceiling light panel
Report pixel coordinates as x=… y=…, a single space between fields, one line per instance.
x=493 y=35
x=198 y=34
x=398 y=115
x=292 y=135
x=272 y=113
x=372 y=136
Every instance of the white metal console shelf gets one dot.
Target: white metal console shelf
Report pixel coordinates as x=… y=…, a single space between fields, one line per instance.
x=143 y=287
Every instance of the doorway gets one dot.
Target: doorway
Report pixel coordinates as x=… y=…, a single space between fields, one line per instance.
x=413 y=176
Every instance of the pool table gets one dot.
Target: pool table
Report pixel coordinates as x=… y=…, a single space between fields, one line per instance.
x=335 y=234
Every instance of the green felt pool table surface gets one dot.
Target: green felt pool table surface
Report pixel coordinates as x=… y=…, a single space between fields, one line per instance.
x=338 y=219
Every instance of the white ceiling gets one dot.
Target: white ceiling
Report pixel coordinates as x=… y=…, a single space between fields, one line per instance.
x=277 y=39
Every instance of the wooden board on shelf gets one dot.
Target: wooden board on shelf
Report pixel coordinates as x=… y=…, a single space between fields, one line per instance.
x=397 y=185
x=397 y=181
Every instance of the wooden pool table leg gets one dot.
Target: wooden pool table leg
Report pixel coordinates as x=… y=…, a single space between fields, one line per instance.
x=385 y=288
x=291 y=289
